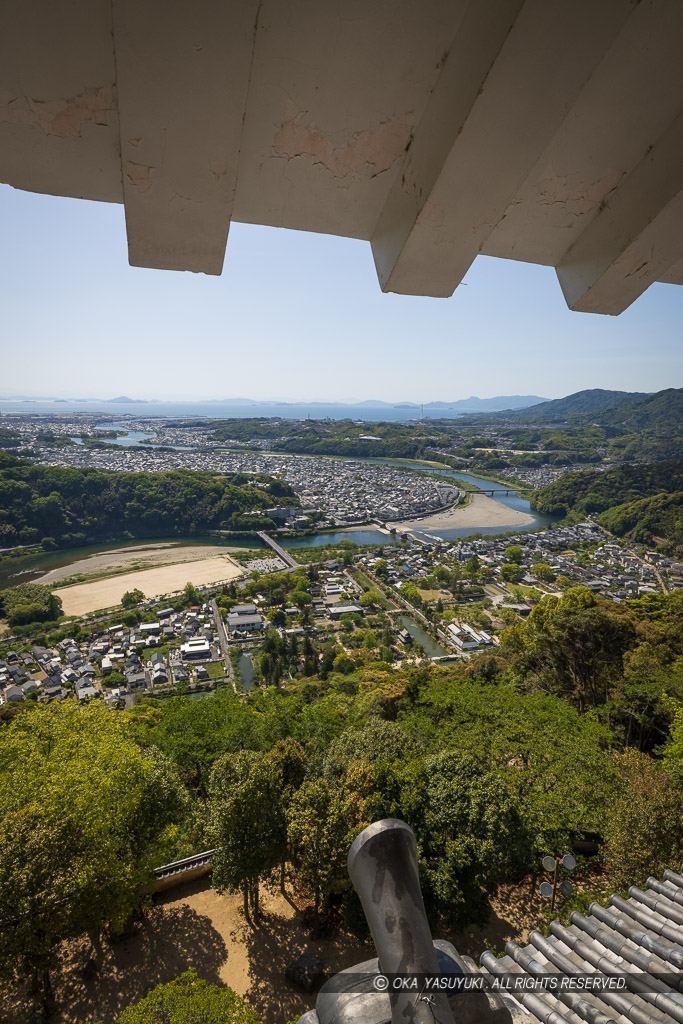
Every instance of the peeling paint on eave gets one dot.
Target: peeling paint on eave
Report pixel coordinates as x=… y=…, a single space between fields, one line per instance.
x=61 y=118
x=368 y=152
x=139 y=176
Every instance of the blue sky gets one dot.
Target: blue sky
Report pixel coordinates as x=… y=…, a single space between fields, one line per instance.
x=297 y=316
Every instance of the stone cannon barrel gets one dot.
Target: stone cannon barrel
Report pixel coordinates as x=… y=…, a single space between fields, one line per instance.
x=382 y=865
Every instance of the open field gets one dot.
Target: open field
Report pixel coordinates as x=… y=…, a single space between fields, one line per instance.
x=481 y=511
x=81 y=598
x=137 y=556
x=435 y=595
x=192 y=926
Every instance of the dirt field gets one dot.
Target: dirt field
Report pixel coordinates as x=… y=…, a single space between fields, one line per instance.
x=192 y=926
x=137 y=556
x=89 y=597
x=481 y=511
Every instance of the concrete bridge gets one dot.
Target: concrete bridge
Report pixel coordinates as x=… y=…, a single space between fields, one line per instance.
x=502 y=490
x=286 y=558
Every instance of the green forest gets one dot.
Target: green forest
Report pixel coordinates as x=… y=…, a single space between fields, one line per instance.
x=641 y=502
x=70 y=506
x=587 y=427
x=655 y=520
x=573 y=730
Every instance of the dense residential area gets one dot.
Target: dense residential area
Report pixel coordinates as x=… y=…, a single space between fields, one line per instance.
x=293 y=644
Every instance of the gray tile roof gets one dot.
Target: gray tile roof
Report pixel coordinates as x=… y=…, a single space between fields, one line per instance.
x=640 y=938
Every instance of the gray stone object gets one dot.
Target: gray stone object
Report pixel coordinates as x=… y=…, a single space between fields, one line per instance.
x=305 y=971
x=88 y=969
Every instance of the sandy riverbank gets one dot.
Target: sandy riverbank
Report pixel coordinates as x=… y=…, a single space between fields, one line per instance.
x=481 y=511
x=138 y=556
x=81 y=598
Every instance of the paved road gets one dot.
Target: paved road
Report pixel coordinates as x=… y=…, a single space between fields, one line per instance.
x=223 y=642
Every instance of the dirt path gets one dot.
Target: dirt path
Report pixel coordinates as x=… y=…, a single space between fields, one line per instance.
x=193 y=926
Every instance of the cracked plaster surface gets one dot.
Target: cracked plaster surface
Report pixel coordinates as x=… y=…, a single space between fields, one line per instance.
x=365 y=155
x=573 y=193
x=139 y=176
x=62 y=118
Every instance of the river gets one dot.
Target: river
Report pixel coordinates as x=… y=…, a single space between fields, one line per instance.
x=511 y=501
x=133 y=438
x=23 y=569
x=137 y=438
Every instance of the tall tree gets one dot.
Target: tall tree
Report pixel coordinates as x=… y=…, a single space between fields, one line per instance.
x=571 y=646
x=83 y=816
x=246 y=822
x=322 y=822
x=644 y=826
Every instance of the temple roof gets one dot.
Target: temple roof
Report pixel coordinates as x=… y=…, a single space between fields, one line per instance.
x=640 y=938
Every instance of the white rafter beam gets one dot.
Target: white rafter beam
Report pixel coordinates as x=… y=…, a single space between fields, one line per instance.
x=182 y=74
x=510 y=79
x=636 y=237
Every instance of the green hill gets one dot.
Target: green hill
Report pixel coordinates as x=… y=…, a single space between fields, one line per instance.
x=662 y=411
x=594 y=491
x=594 y=402
x=68 y=506
x=648 y=520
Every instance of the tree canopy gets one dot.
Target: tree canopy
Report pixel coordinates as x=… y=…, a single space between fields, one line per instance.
x=71 y=505
x=84 y=814
x=189 y=1000
x=29 y=602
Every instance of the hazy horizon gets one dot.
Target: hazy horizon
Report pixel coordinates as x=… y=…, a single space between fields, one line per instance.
x=298 y=314
x=248 y=399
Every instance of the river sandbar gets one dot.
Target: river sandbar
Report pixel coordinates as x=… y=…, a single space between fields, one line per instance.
x=139 y=555
x=481 y=511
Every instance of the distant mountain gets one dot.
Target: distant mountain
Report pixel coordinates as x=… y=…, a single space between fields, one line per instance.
x=661 y=411
x=474 y=404
x=582 y=403
x=123 y=399
x=461 y=404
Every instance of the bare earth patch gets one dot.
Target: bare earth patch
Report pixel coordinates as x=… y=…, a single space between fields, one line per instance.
x=81 y=598
x=192 y=926
x=138 y=556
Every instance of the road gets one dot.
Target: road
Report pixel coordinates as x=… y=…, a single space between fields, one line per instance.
x=223 y=642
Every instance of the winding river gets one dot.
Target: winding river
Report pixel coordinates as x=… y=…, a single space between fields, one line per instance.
x=25 y=568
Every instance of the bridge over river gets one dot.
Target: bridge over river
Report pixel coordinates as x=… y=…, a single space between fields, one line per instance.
x=284 y=555
x=503 y=490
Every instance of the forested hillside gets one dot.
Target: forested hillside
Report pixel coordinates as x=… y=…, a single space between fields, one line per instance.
x=660 y=412
x=648 y=520
x=594 y=491
x=70 y=505
x=593 y=402
x=617 y=425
